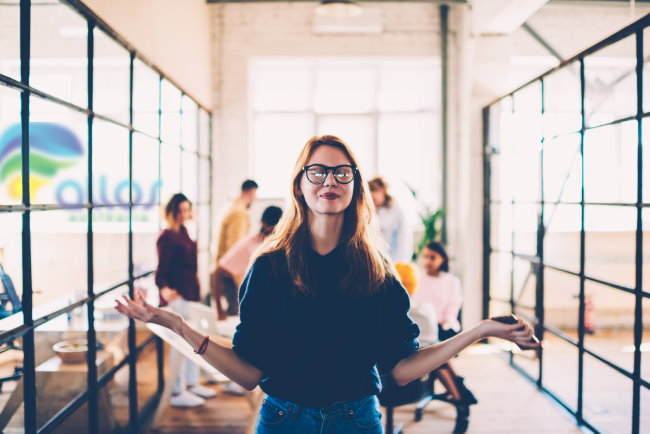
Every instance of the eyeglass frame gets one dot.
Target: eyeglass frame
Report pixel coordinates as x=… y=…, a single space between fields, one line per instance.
x=331 y=169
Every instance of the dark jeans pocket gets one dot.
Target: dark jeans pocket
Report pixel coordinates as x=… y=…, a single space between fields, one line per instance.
x=368 y=415
x=271 y=415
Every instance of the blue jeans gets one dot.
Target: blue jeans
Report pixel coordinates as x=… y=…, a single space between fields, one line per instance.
x=283 y=417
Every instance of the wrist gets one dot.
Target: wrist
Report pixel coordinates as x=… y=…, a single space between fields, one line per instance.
x=482 y=330
x=179 y=325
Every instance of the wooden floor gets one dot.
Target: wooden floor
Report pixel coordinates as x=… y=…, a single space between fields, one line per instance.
x=507 y=404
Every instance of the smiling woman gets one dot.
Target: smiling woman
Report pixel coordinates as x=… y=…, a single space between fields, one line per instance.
x=322 y=311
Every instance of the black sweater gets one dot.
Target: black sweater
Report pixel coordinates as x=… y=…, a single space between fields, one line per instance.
x=325 y=349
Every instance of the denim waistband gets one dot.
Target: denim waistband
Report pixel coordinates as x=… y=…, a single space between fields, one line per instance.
x=345 y=408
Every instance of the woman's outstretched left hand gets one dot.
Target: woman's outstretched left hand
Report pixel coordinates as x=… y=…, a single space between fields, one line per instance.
x=143 y=311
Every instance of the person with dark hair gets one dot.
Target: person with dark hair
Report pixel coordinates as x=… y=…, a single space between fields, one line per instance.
x=440 y=289
x=176 y=276
x=321 y=310
x=233 y=265
x=234 y=226
x=236 y=223
x=392 y=221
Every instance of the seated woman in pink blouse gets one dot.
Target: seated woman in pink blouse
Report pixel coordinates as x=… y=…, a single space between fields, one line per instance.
x=440 y=289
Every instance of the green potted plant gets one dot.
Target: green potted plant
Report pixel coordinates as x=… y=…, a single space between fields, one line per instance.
x=432 y=223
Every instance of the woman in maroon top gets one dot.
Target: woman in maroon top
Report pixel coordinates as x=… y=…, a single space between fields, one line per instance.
x=178 y=282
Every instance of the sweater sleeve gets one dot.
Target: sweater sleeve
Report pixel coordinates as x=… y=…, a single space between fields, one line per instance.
x=165 y=248
x=399 y=332
x=251 y=341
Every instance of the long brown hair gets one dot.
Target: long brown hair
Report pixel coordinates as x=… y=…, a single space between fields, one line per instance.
x=367 y=268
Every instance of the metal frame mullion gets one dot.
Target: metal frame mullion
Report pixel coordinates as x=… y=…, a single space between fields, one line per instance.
x=160 y=349
x=133 y=355
x=638 y=306
x=29 y=356
x=541 y=233
x=487 y=213
x=444 y=74
x=93 y=410
x=581 y=309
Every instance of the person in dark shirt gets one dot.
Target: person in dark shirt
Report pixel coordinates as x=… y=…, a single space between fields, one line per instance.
x=322 y=313
x=176 y=277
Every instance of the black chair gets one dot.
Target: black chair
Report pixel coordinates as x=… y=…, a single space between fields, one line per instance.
x=420 y=391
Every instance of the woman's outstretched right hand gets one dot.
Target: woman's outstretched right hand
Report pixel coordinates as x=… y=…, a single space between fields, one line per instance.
x=143 y=311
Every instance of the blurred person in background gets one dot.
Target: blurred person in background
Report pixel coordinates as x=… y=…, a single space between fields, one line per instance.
x=176 y=277
x=392 y=222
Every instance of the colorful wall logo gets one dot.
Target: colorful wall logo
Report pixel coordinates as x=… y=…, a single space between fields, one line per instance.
x=52 y=147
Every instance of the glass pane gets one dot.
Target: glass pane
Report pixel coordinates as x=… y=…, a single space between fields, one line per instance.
x=610 y=82
x=526 y=158
x=644 y=425
x=610 y=244
x=111 y=78
x=562 y=101
x=561 y=304
x=358 y=132
x=146 y=224
x=562 y=236
x=146 y=185
x=499 y=170
x=111 y=247
x=399 y=138
x=646 y=159
x=525 y=221
x=277 y=140
x=146 y=83
x=11 y=266
x=609 y=324
x=171 y=113
x=611 y=163
x=59 y=255
x=61 y=366
x=607 y=397
x=560 y=367
x=204 y=180
x=189 y=177
x=116 y=393
x=190 y=124
x=110 y=168
x=409 y=86
x=11 y=190
x=524 y=283
x=58 y=63
x=503 y=152
x=170 y=172
x=11 y=368
x=562 y=180
x=204 y=133
x=501 y=226
x=10 y=39
x=285 y=85
x=645 y=284
x=58 y=154
x=500 y=275
x=147 y=375
x=345 y=87
x=645 y=343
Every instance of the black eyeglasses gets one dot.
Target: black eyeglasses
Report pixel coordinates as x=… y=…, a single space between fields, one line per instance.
x=317 y=173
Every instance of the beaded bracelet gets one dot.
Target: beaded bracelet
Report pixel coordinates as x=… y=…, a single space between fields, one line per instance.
x=203 y=346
